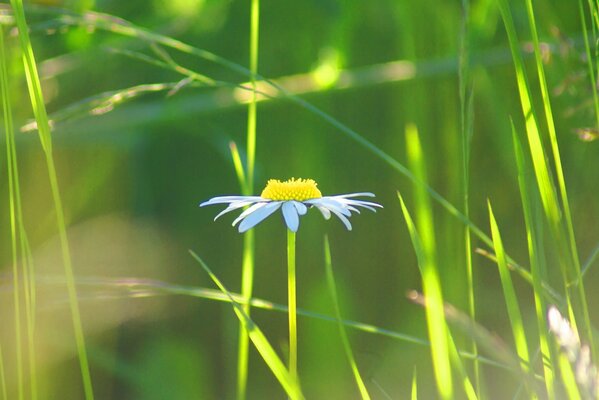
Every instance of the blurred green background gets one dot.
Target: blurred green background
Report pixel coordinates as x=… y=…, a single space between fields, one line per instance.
x=133 y=176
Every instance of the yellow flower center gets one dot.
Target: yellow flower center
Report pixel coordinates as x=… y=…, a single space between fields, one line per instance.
x=292 y=189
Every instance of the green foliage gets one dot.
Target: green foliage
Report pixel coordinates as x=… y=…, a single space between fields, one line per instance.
x=144 y=109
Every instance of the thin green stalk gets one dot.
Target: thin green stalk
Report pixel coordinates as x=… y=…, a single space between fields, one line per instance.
x=8 y=126
x=466 y=117
x=247 y=187
x=344 y=339
x=39 y=109
x=251 y=134
x=291 y=300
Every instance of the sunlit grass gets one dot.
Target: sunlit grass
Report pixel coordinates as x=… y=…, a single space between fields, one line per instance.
x=542 y=188
x=43 y=127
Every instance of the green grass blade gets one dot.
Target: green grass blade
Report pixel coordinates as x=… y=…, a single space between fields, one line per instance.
x=344 y=339
x=423 y=240
x=459 y=366
x=562 y=234
x=414 y=393
x=437 y=328
x=9 y=129
x=247 y=187
x=272 y=360
x=466 y=132
x=39 y=109
x=534 y=235
x=511 y=300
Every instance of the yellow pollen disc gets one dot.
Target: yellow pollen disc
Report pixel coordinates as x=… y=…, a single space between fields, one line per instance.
x=292 y=189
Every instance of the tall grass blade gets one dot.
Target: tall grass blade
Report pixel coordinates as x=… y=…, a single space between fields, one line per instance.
x=39 y=109
x=466 y=132
x=247 y=187
x=511 y=299
x=9 y=129
x=344 y=339
x=424 y=246
x=534 y=236
x=561 y=232
x=272 y=360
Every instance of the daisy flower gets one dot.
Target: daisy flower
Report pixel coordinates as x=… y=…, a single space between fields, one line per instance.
x=293 y=197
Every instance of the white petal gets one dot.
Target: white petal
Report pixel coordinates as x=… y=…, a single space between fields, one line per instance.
x=258 y=216
x=324 y=211
x=290 y=215
x=247 y=212
x=330 y=203
x=366 y=204
x=231 y=199
x=300 y=207
x=366 y=194
x=343 y=219
x=232 y=207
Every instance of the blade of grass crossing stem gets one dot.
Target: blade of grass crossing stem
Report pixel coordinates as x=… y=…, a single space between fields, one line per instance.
x=534 y=235
x=466 y=122
x=272 y=360
x=561 y=235
x=8 y=126
x=344 y=339
x=247 y=269
x=18 y=234
x=423 y=241
x=39 y=109
x=511 y=300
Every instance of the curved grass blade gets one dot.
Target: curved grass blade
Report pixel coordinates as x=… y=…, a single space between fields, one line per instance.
x=289 y=383
x=436 y=323
x=344 y=339
x=511 y=300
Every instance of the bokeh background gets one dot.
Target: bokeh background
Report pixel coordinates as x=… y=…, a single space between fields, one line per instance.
x=132 y=177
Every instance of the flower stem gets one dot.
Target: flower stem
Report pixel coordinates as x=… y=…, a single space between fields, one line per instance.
x=292 y=303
